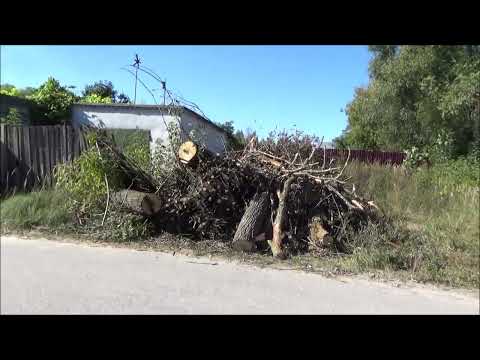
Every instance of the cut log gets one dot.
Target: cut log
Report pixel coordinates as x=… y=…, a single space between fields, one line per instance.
x=318 y=235
x=145 y=204
x=187 y=152
x=252 y=223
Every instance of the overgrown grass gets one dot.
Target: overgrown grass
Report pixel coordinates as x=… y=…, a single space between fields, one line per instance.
x=45 y=208
x=431 y=231
x=48 y=211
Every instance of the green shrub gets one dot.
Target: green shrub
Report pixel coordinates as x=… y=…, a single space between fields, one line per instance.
x=96 y=99
x=54 y=100
x=84 y=180
x=83 y=183
x=135 y=143
x=449 y=176
x=13 y=117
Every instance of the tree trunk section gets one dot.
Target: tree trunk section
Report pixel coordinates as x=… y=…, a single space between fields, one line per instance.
x=252 y=223
x=277 y=238
x=145 y=204
x=187 y=152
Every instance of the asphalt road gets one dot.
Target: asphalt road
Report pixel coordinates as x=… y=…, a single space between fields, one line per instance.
x=51 y=277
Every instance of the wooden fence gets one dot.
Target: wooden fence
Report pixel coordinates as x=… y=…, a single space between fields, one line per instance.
x=29 y=154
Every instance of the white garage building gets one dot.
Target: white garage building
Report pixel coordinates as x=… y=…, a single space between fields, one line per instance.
x=153 y=118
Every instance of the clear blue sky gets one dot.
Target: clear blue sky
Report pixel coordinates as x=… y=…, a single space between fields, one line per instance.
x=257 y=87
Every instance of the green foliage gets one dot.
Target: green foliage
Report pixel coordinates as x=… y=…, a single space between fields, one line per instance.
x=13 y=117
x=123 y=99
x=83 y=180
x=103 y=92
x=164 y=157
x=227 y=126
x=48 y=210
x=103 y=89
x=415 y=94
x=240 y=136
x=135 y=143
x=55 y=100
x=26 y=92
x=119 y=226
x=42 y=208
x=450 y=176
x=236 y=139
x=96 y=99
x=10 y=90
x=140 y=154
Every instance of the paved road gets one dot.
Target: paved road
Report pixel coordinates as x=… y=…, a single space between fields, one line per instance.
x=49 y=277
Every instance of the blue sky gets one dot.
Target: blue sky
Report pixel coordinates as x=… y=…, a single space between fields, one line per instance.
x=256 y=87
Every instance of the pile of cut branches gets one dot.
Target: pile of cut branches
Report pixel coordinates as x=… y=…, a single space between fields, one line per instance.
x=272 y=192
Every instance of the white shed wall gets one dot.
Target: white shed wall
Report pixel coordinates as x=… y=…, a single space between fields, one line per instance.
x=149 y=119
x=214 y=139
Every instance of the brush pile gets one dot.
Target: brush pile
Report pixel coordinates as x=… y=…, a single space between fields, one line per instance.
x=281 y=194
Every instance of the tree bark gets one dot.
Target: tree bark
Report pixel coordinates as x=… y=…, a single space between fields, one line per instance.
x=277 y=238
x=252 y=223
x=145 y=204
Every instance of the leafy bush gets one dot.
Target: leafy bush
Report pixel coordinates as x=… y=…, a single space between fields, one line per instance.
x=83 y=180
x=96 y=99
x=83 y=183
x=449 y=176
x=135 y=143
x=13 y=117
x=9 y=90
x=440 y=151
x=54 y=99
x=164 y=157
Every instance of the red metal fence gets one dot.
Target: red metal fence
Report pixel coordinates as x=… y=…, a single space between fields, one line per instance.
x=368 y=156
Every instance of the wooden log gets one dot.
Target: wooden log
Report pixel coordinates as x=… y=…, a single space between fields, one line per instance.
x=145 y=204
x=318 y=234
x=187 y=152
x=252 y=223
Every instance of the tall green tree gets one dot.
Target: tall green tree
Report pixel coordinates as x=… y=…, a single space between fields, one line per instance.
x=103 y=92
x=415 y=94
x=237 y=138
x=54 y=100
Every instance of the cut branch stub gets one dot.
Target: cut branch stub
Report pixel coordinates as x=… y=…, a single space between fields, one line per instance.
x=187 y=151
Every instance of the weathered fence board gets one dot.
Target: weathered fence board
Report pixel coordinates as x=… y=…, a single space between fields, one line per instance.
x=29 y=154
